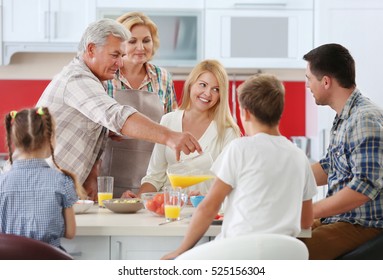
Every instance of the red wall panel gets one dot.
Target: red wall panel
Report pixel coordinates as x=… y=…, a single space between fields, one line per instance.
x=18 y=94
x=293 y=118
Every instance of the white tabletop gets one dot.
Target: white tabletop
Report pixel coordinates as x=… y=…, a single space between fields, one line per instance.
x=103 y=222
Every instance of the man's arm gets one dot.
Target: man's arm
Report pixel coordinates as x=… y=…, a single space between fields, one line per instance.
x=341 y=202
x=141 y=127
x=319 y=174
x=307 y=217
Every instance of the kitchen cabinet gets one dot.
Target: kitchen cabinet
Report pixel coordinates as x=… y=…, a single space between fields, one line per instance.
x=352 y=24
x=88 y=247
x=145 y=247
x=258 y=33
x=44 y=25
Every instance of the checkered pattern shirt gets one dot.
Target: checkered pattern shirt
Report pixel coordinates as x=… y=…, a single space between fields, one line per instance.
x=355 y=159
x=81 y=107
x=32 y=198
x=157 y=80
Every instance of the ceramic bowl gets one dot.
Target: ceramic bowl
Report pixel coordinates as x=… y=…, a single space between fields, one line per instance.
x=123 y=205
x=82 y=206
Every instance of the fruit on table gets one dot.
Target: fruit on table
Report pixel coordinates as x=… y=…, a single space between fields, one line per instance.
x=156 y=204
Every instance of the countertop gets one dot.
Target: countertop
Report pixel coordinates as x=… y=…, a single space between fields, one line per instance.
x=103 y=222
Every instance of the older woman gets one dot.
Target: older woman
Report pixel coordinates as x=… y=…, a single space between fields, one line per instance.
x=144 y=86
x=137 y=72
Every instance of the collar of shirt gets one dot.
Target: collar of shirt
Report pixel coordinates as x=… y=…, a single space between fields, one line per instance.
x=151 y=75
x=30 y=163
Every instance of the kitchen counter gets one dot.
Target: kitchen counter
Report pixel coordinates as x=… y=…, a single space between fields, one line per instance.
x=103 y=222
x=102 y=234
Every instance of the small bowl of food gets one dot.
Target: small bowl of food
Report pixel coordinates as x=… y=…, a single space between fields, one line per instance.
x=82 y=206
x=196 y=200
x=154 y=202
x=123 y=205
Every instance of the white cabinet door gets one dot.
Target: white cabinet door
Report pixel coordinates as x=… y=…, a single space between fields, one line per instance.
x=46 y=20
x=25 y=21
x=145 y=247
x=69 y=19
x=88 y=247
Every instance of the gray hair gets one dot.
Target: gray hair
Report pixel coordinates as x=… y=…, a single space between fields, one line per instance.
x=97 y=33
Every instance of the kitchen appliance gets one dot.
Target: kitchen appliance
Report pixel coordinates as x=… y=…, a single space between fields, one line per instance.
x=304 y=143
x=259 y=33
x=180 y=34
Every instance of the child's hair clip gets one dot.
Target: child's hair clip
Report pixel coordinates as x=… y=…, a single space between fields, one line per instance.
x=40 y=111
x=13 y=114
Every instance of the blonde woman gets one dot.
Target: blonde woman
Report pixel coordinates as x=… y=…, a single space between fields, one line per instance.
x=204 y=112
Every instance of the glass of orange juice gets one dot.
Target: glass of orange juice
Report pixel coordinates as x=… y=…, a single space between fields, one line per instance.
x=172 y=204
x=105 y=189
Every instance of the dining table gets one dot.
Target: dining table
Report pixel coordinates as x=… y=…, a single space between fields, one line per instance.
x=103 y=234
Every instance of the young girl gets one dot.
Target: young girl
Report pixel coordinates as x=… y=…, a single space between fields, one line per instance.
x=35 y=200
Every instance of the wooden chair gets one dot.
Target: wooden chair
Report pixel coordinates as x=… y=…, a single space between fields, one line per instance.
x=15 y=247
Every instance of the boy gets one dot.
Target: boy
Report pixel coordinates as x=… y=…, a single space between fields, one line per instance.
x=268 y=181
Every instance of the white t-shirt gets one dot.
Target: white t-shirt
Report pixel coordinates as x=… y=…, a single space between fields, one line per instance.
x=270 y=178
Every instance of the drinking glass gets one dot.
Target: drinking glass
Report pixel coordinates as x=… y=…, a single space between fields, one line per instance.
x=172 y=204
x=105 y=189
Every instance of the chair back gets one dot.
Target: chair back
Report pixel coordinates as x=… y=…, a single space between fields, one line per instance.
x=370 y=250
x=15 y=247
x=250 y=247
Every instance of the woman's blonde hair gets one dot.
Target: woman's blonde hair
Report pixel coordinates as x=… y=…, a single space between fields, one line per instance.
x=220 y=110
x=137 y=18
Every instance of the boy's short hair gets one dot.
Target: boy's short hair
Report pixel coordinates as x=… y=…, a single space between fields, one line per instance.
x=264 y=97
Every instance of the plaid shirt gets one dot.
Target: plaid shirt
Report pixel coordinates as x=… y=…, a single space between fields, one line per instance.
x=355 y=159
x=78 y=101
x=32 y=198
x=157 y=80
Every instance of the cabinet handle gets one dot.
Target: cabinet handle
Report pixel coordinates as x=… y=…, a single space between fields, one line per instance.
x=46 y=25
x=75 y=254
x=54 y=25
x=260 y=5
x=119 y=249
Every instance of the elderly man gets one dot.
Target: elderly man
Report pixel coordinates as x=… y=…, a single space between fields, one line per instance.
x=84 y=112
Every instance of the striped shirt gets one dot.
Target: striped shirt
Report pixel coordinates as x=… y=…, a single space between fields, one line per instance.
x=32 y=199
x=81 y=107
x=157 y=80
x=355 y=159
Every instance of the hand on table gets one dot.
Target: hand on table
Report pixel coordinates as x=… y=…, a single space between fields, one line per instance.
x=129 y=194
